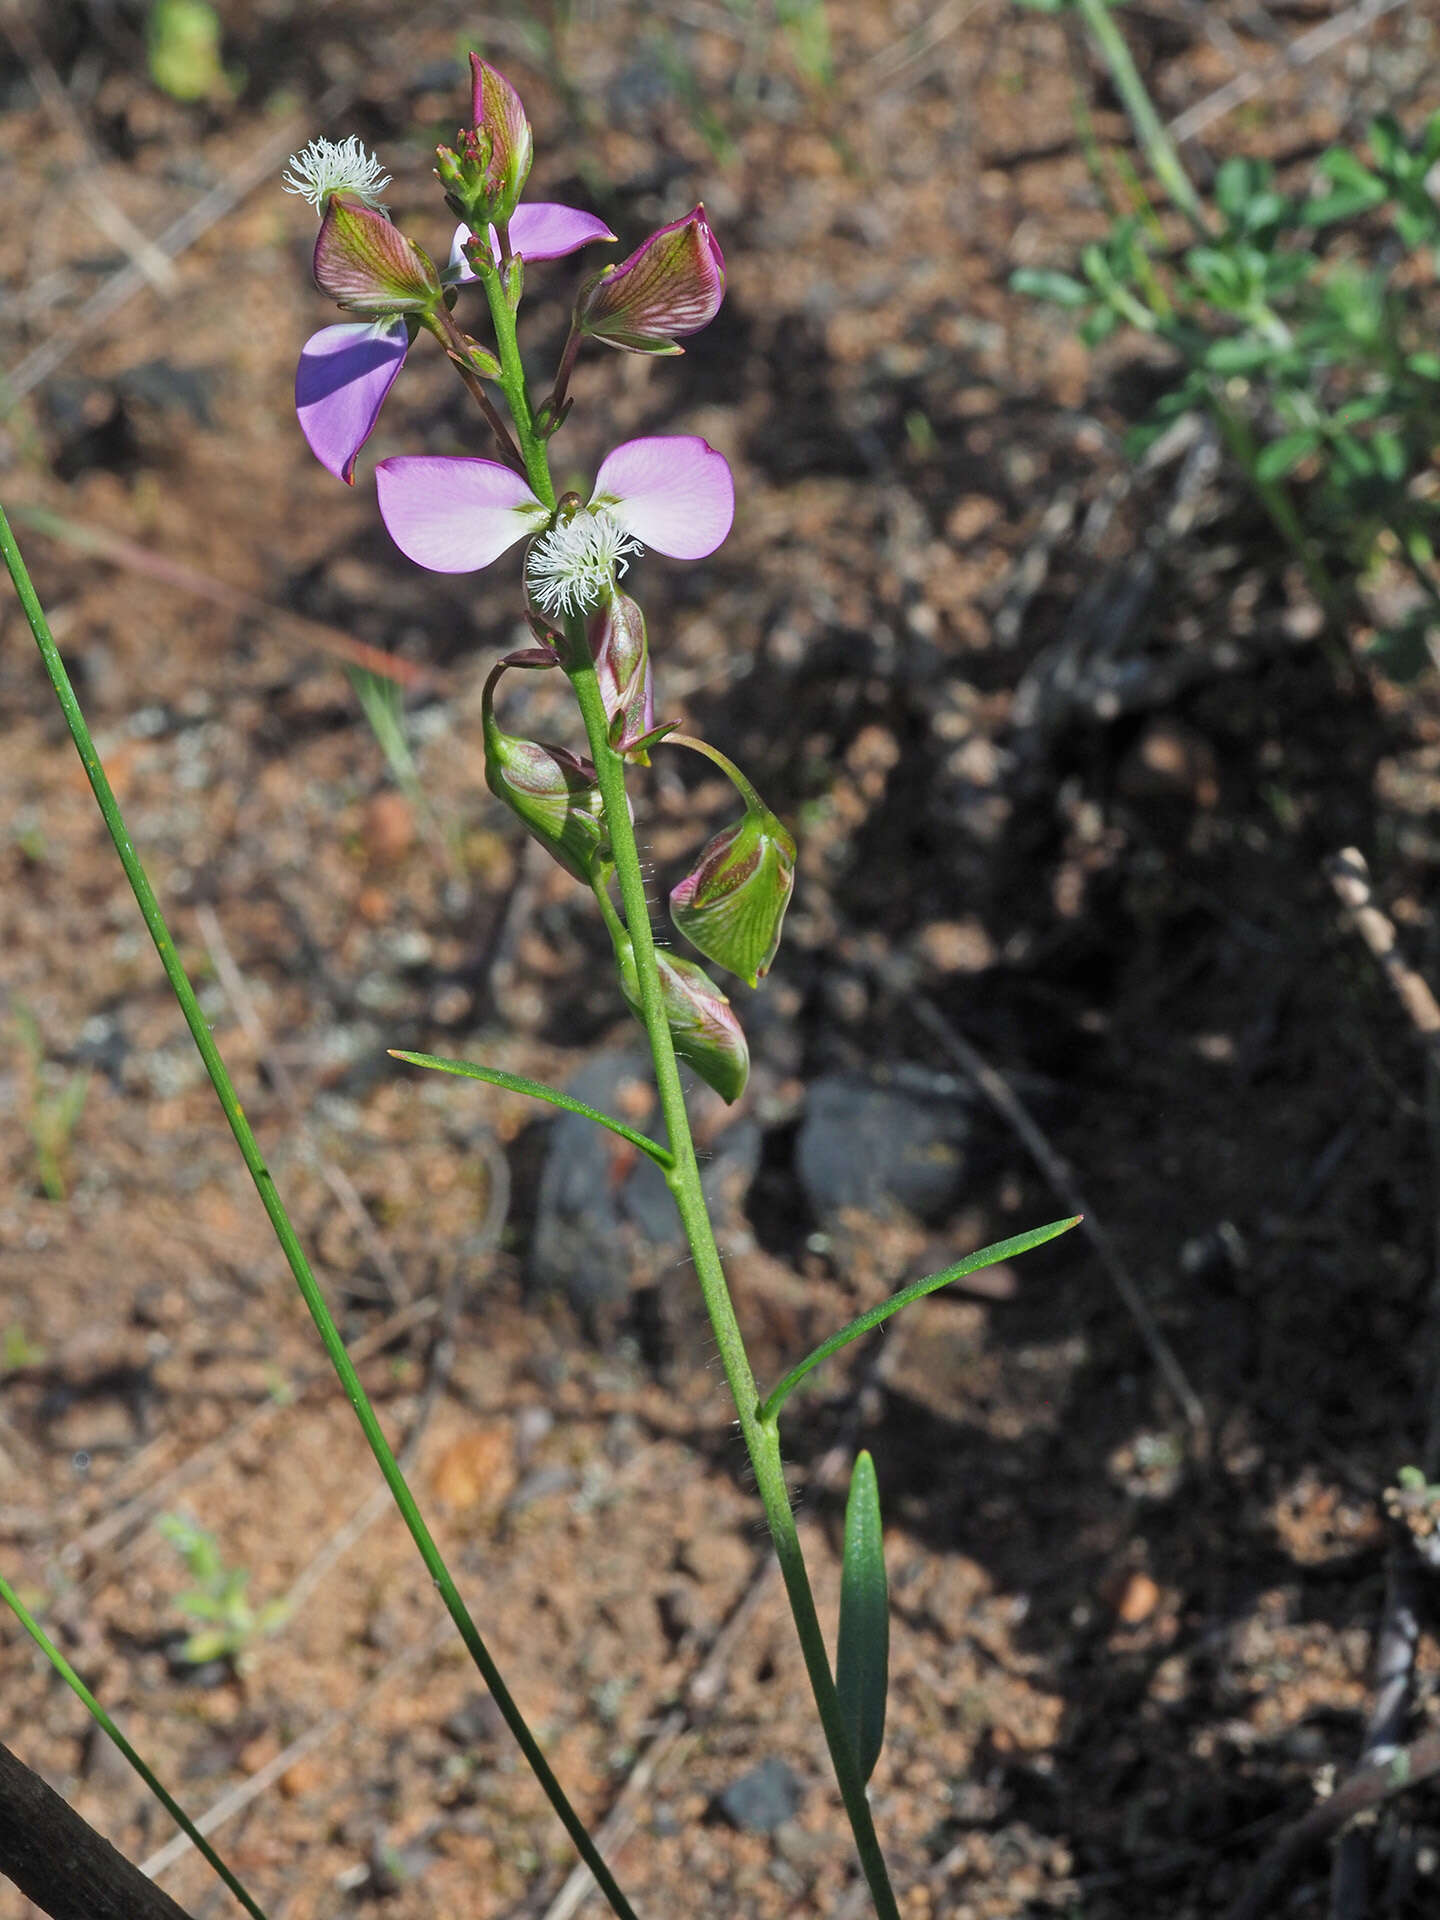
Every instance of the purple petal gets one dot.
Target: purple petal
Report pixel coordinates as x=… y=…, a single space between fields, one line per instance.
x=539 y=230
x=544 y=230
x=454 y=515
x=344 y=375
x=674 y=492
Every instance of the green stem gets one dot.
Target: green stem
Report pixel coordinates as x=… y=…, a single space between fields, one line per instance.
x=1160 y=149
x=727 y=766
x=102 y=1719
x=512 y=379
x=761 y=1437
x=285 y=1232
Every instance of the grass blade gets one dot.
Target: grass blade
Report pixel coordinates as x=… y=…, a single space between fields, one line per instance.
x=102 y=1719
x=284 y=1230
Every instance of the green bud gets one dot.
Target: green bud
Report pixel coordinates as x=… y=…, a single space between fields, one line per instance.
x=731 y=905
x=702 y=1024
x=364 y=262
x=554 y=792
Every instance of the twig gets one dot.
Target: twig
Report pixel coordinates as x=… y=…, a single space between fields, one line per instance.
x=1395 y=1646
x=1313 y=45
x=122 y=286
x=335 y=1178
x=1350 y=878
x=883 y=69
x=1409 y=1767
x=701 y=1693
x=145 y=257
x=1058 y=1171
x=61 y=1863
x=157 y=1493
x=439 y=1361
x=175 y=573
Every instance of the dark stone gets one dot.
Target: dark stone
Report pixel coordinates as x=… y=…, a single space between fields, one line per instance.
x=476 y=1722
x=605 y=1222
x=875 y=1141
x=761 y=1800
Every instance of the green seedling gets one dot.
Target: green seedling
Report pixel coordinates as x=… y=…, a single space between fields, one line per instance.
x=53 y=1105
x=230 y=1623
x=1301 y=324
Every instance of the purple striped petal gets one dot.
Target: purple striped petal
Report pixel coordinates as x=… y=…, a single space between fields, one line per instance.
x=674 y=492
x=539 y=230
x=454 y=515
x=344 y=375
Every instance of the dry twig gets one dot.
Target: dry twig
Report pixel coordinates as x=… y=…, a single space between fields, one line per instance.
x=115 y=293
x=61 y=1863
x=145 y=257
x=1410 y=1767
x=311 y=634
x=701 y=1693
x=1061 y=1175
x=1306 y=48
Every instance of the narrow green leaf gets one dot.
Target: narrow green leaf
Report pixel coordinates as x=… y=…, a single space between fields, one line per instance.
x=862 y=1654
x=102 y=1719
x=537 y=1090
x=917 y=1290
x=1282 y=456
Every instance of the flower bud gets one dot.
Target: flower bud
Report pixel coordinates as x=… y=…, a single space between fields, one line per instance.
x=702 y=1024
x=366 y=264
x=731 y=905
x=622 y=665
x=672 y=284
x=484 y=178
x=553 y=791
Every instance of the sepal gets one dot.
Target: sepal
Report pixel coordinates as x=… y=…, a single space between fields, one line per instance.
x=731 y=905
x=366 y=265
x=671 y=285
x=618 y=646
x=552 y=790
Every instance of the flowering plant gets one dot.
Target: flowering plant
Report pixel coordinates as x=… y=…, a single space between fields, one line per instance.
x=672 y=493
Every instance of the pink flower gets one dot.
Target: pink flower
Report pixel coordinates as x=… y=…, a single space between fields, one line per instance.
x=672 y=492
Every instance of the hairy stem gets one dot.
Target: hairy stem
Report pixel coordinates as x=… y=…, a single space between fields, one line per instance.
x=761 y=1437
